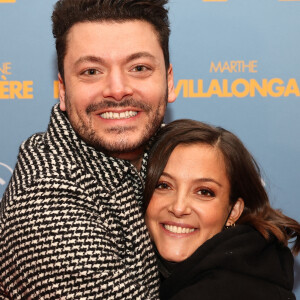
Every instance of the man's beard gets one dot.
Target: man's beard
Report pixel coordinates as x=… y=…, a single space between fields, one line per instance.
x=120 y=144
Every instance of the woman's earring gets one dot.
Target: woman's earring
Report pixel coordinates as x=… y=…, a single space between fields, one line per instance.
x=229 y=226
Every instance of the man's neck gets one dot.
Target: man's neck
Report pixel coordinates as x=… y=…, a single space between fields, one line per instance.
x=135 y=157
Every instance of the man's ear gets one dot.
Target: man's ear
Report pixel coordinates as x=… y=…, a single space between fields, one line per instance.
x=62 y=93
x=171 y=89
x=235 y=212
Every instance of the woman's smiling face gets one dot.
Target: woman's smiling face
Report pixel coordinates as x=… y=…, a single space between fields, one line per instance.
x=191 y=201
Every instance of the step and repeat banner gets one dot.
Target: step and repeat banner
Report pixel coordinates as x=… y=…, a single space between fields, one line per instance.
x=236 y=65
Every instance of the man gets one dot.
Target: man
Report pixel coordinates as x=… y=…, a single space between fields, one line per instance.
x=71 y=225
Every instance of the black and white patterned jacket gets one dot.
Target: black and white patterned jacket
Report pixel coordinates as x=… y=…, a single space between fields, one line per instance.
x=71 y=226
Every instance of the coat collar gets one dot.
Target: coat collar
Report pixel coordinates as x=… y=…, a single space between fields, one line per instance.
x=62 y=140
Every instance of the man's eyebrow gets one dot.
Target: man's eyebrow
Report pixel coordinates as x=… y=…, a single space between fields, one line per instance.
x=89 y=58
x=99 y=60
x=138 y=55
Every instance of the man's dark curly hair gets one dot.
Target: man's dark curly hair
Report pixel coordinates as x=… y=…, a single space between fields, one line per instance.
x=69 y=12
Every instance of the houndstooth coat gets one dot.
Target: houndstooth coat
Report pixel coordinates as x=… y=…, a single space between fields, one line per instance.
x=71 y=226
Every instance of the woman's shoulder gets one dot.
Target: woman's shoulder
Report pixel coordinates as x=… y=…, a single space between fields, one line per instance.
x=234 y=260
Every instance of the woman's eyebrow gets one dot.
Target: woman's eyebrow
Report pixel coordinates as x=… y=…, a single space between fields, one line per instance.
x=201 y=179
x=204 y=179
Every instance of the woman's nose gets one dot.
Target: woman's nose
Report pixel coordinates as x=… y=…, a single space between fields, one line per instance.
x=180 y=206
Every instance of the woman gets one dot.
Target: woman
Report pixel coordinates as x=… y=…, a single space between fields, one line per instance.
x=210 y=218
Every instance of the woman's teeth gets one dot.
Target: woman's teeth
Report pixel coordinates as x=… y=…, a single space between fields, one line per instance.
x=177 y=229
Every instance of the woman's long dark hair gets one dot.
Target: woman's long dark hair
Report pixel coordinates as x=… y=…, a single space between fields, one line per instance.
x=242 y=171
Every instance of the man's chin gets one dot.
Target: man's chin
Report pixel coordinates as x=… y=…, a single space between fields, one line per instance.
x=119 y=146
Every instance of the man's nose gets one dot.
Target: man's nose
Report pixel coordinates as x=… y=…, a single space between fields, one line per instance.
x=117 y=85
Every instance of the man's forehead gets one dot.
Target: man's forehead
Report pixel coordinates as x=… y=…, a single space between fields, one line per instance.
x=131 y=38
x=114 y=23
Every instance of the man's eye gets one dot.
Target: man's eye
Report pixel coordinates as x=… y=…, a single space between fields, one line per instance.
x=140 y=69
x=162 y=186
x=91 y=72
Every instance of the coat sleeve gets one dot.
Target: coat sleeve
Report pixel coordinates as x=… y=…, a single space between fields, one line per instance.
x=55 y=244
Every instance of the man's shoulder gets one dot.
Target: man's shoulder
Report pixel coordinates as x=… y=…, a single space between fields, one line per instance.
x=36 y=159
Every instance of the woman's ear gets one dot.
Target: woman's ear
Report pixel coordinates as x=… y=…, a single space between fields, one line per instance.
x=235 y=212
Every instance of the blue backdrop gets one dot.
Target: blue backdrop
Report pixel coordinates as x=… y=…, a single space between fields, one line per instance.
x=236 y=65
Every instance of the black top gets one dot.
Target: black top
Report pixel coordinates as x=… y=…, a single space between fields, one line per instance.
x=236 y=264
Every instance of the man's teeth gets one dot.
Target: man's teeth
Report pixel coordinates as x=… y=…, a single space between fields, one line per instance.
x=177 y=229
x=122 y=115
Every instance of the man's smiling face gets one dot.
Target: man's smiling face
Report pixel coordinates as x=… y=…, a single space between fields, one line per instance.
x=116 y=85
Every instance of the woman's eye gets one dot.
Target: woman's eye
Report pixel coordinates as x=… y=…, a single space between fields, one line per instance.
x=206 y=192
x=162 y=186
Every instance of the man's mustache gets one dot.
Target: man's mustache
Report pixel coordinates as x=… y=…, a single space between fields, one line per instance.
x=105 y=104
